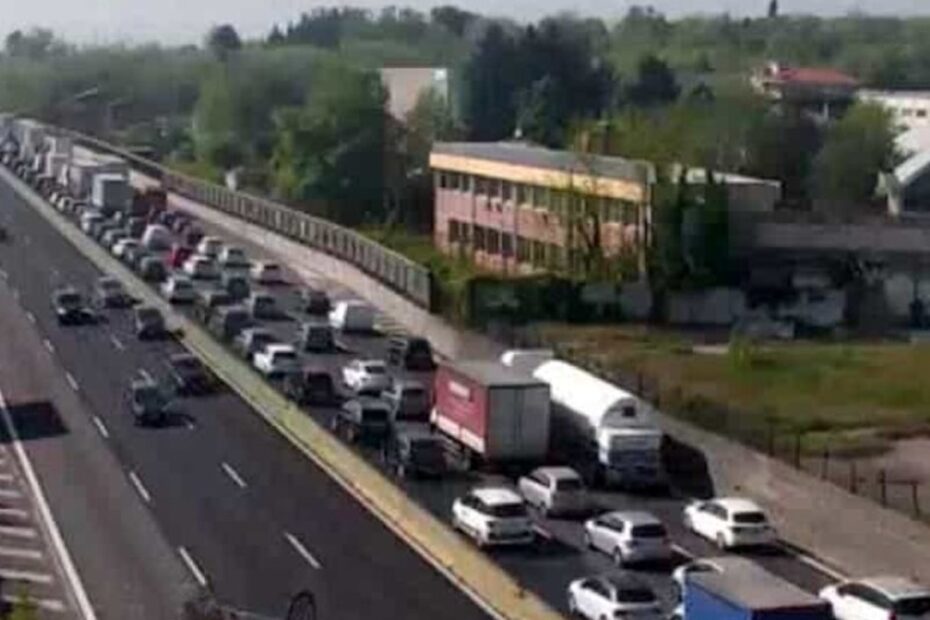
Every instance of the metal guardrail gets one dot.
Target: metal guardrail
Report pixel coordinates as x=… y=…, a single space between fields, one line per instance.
x=398 y=272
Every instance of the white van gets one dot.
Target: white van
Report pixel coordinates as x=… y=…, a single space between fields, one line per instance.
x=156 y=238
x=352 y=316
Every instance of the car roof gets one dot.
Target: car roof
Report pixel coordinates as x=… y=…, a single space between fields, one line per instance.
x=895 y=587
x=624 y=580
x=738 y=504
x=634 y=517
x=254 y=331
x=496 y=496
x=559 y=472
x=371 y=362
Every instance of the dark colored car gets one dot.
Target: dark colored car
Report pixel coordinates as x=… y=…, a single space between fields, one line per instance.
x=310 y=386
x=136 y=227
x=411 y=352
x=147 y=403
x=315 y=301
x=229 y=321
x=189 y=376
x=149 y=323
x=363 y=418
x=236 y=285
x=415 y=451
x=317 y=337
x=207 y=302
x=152 y=269
x=252 y=340
x=110 y=293
x=179 y=255
x=192 y=236
x=70 y=309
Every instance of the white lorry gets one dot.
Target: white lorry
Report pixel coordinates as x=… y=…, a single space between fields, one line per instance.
x=607 y=426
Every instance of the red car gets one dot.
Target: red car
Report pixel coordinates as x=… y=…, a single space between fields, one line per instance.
x=179 y=255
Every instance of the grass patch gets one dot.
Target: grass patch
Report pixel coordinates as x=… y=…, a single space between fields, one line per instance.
x=859 y=395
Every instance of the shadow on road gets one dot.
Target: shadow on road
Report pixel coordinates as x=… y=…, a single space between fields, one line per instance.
x=687 y=469
x=34 y=420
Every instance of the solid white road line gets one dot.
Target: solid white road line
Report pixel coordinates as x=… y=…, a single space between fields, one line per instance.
x=10 y=574
x=16 y=513
x=18 y=532
x=72 y=382
x=302 y=551
x=232 y=473
x=117 y=343
x=192 y=567
x=23 y=554
x=48 y=345
x=54 y=534
x=101 y=427
x=47 y=604
x=140 y=488
x=10 y=494
x=31 y=317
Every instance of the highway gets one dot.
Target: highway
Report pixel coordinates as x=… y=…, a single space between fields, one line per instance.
x=560 y=556
x=244 y=513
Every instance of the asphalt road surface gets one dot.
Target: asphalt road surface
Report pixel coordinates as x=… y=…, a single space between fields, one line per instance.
x=244 y=513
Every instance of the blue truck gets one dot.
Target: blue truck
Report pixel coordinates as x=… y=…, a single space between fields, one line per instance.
x=750 y=593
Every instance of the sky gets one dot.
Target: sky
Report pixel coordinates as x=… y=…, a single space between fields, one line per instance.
x=185 y=21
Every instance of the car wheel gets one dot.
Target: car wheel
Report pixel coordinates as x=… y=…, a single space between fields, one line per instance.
x=721 y=541
x=618 y=557
x=688 y=523
x=588 y=543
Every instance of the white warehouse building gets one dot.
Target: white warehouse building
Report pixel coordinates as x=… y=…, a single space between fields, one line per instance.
x=910 y=108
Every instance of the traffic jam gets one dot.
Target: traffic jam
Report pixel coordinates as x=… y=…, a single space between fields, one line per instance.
x=556 y=473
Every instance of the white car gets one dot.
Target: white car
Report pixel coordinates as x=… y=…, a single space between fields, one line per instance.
x=554 y=491
x=493 y=516
x=628 y=537
x=210 y=247
x=179 y=290
x=730 y=522
x=368 y=376
x=276 y=360
x=201 y=267
x=878 y=598
x=266 y=273
x=613 y=596
x=88 y=220
x=124 y=245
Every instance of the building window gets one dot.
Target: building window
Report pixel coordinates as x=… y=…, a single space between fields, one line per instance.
x=507 y=245
x=453 y=231
x=494 y=188
x=521 y=195
x=479 y=237
x=523 y=250
x=493 y=241
x=630 y=213
x=454 y=181
x=541 y=198
x=481 y=186
x=507 y=190
x=538 y=253
x=443 y=180
x=922 y=113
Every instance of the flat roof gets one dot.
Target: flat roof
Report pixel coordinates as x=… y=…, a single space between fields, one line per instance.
x=493 y=373
x=521 y=154
x=754 y=587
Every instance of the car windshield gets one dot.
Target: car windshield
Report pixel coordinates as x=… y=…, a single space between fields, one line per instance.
x=913 y=606
x=374 y=415
x=508 y=511
x=635 y=594
x=375 y=369
x=569 y=485
x=69 y=300
x=648 y=530
x=285 y=356
x=749 y=517
x=149 y=396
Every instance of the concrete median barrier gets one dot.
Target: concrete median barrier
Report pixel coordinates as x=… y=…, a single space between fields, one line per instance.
x=491 y=587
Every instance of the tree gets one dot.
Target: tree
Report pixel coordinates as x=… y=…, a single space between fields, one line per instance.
x=454 y=19
x=655 y=83
x=491 y=81
x=856 y=149
x=334 y=148
x=275 y=37
x=223 y=41
x=37 y=44
x=773 y=9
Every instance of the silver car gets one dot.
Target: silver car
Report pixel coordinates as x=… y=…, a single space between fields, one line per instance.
x=628 y=537
x=554 y=490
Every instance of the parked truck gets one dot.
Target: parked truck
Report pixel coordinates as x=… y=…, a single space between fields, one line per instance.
x=490 y=414
x=608 y=430
x=750 y=593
